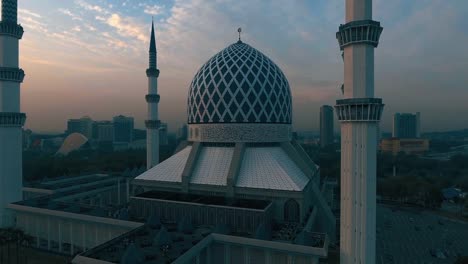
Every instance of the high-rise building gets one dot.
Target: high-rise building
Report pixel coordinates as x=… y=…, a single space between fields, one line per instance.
x=359 y=114
x=82 y=125
x=326 y=125
x=163 y=140
x=152 y=98
x=105 y=131
x=11 y=118
x=406 y=125
x=123 y=129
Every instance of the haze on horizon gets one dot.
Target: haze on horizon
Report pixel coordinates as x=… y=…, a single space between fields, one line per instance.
x=88 y=57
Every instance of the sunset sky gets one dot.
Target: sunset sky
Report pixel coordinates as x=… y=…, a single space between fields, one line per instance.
x=88 y=57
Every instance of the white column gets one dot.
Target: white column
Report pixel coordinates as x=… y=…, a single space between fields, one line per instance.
x=246 y=255
x=37 y=231
x=83 y=236
x=152 y=133
x=11 y=120
x=268 y=256
x=208 y=255
x=128 y=190
x=358 y=147
x=227 y=254
x=60 y=235
x=96 y=230
x=118 y=191
x=72 y=242
x=48 y=232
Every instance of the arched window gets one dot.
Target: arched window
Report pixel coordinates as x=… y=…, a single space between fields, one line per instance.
x=291 y=211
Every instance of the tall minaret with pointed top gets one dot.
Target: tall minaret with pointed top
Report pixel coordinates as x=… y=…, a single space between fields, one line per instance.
x=152 y=98
x=11 y=119
x=359 y=114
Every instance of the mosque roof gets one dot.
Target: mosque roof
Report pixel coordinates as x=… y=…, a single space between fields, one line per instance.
x=261 y=167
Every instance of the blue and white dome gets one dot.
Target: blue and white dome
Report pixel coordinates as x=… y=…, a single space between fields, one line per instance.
x=239 y=85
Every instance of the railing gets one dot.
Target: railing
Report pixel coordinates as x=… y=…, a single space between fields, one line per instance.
x=12 y=119
x=359 y=109
x=362 y=31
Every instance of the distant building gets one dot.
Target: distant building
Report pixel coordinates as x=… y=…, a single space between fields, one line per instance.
x=407 y=125
x=163 y=140
x=82 y=125
x=406 y=145
x=123 y=129
x=182 y=133
x=104 y=131
x=27 y=134
x=326 y=125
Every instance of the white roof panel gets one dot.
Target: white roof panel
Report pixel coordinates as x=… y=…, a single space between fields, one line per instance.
x=270 y=168
x=212 y=166
x=169 y=170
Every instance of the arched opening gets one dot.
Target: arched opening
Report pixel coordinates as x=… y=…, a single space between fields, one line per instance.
x=291 y=211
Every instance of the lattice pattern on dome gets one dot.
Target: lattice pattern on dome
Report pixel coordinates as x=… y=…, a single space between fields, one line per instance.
x=239 y=85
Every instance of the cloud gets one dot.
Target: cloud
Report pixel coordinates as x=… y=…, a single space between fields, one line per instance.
x=91 y=7
x=127 y=27
x=69 y=13
x=28 y=13
x=153 y=10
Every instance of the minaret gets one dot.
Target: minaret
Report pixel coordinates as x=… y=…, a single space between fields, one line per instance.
x=11 y=119
x=359 y=114
x=152 y=98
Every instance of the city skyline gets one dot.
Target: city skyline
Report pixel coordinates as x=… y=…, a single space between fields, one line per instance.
x=105 y=79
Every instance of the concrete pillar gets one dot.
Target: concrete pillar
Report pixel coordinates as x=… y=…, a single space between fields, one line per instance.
x=83 y=236
x=60 y=235
x=246 y=255
x=128 y=190
x=268 y=258
x=96 y=231
x=208 y=254
x=118 y=191
x=72 y=241
x=37 y=231
x=11 y=119
x=359 y=113
x=227 y=254
x=48 y=232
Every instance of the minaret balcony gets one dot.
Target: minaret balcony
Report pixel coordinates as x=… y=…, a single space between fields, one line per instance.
x=152 y=98
x=8 y=119
x=359 y=32
x=12 y=29
x=359 y=109
x=11 y=74
x=152 y=124
x=152 y=72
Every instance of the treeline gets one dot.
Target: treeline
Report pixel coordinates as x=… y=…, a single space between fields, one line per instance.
x=417 y=180
x=40 y=165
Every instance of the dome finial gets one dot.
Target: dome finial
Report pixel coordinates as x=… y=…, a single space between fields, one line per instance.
x=239 y=30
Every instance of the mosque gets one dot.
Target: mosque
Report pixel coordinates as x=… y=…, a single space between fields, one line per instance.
x=240 y=190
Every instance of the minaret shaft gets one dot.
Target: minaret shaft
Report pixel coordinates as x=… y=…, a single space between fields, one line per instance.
x=152 y=98
x=11 y=120
x=359 y=114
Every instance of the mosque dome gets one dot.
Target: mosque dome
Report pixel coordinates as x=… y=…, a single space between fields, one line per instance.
x=239 y=95
x=239 y=85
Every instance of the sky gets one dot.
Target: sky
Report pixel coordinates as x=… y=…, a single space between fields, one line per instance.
x=88 y=57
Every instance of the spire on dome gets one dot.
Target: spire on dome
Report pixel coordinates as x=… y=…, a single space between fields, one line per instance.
x=153 y=39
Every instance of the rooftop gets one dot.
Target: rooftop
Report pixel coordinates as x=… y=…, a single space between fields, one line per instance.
x=207 y=200
x=146 y=241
